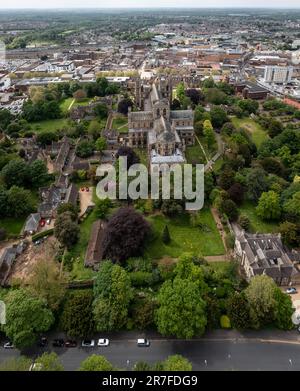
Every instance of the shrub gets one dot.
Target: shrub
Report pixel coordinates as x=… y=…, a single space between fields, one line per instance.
x=225 y=322
x=42 y=234
x=140 y=278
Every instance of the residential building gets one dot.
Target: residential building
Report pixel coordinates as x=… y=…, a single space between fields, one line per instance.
x=264 y=254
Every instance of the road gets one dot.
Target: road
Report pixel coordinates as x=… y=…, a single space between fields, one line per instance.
x=225 y=352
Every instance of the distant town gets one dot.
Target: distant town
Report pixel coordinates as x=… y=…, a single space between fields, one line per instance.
x=165 y=88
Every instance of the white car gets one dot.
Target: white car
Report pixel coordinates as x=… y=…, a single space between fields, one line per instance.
x=37 y=366
x=8 y=345
x=48 y=221
x=143 y=342
x=88 y=343
x=291 y=290
x=103 y=342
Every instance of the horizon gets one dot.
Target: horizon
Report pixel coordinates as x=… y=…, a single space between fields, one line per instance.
x=75 y=6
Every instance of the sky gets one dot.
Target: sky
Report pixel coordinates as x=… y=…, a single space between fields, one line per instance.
x=148 y=3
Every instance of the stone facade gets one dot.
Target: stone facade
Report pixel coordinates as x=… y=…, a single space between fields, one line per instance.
x=164 y=132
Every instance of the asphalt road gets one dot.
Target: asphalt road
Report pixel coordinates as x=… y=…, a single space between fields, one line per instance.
x=224 y=355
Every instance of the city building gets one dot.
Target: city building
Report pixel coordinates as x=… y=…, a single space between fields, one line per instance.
x=278 y=75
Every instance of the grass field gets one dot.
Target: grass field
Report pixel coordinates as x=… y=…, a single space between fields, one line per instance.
x=12 y=225
x=254 y=129
x=142 y=154
x=184 y=237
x=121 y=124
x=194 y=154
x=256 y=223
x=51 y=125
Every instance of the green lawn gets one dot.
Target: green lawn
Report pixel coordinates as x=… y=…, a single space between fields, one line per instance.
x=65 y=104
x=12 y=225
x=258 y=134
x=194 y=154
x=121 y=124
x=51 y=125
x=142 y=154
x=256 y=223
x=184 y=237
x=80 y=272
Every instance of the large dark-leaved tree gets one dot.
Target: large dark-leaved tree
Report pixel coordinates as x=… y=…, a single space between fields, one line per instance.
x=132 y=157
x=124 y=235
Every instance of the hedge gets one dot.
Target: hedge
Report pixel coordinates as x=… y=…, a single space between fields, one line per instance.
x=42 y=234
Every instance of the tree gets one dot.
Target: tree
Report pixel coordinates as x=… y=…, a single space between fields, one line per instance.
x=102 y=207
x=112 y=296
x=47 y=283
x=177 y=363
x=215 y=96
x=68 y=207
x=128 y=152
x=45 y=138
x=15 y=173
x=171 y=207
x=5 y=118
x=208 y=83
x=230 y=209
x=292 y=205
x=289 y=233
x=49 y=362
x=269 y=206
x=143 y=312
x=77 y=314
x=2 y=234
x=194 y=95
x=19 y=202
x=244 y=222
x=26 y=318
x=180 y=92
x=101 y=144
x=260 y=295
x=123 y=106
x=38 y=173
x=181 y=309
x=66 y=230
x=85 y=149
x=124 y=235
x=79 y=95
x=16 y=364
x=249 y=106
x=166 y=235
x=256 y=182
x=236 y=193
x=218 y=117
x=142 y=366
x=101 y=110
x=275 y=127
x=284 y=310
x=238 y=310
x=96 y=363
x=208 y=133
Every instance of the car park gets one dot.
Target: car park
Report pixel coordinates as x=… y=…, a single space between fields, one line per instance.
x=88 y=343
x=103 y=342
x=143 y=342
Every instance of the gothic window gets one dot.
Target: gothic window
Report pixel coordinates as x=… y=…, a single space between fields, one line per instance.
x=165 y=112
x=157 y=112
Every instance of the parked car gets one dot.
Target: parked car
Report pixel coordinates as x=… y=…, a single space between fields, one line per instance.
x=37 y=242
x=48 y=221
x=103 y=342
x=70 y=343
x=82 y=189
x=291 y=291
x=8 y=345
x=42 y=223
x=87 y=189
x=143 y=342
x=88 y=343
x=298 y=329
x=43 y=342
x=58 y=343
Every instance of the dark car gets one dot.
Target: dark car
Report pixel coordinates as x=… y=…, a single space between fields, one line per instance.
x=58 y=343
x=70 y=344
x=43 y=342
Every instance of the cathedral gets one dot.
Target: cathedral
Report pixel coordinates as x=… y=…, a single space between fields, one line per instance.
x=164 y=132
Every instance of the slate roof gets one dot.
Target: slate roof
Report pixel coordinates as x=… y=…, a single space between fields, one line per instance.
x=93 y=254
x=32 y=222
